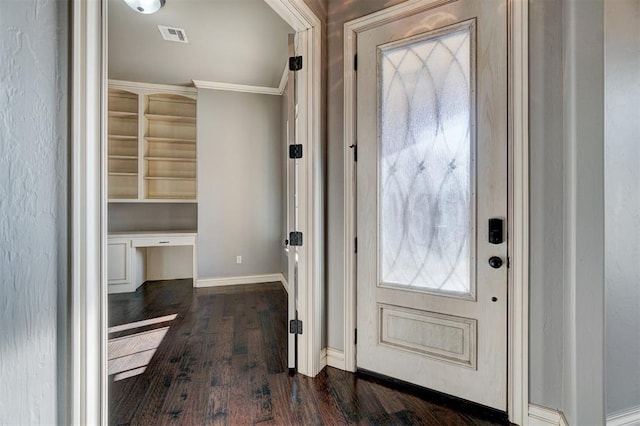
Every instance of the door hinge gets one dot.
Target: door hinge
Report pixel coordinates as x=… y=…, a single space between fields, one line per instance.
x=295 y=63
x=355 y=338
x=355 y=151
x=355 y=245
x=295 y=238
x=295 y=151
x=355 y=62
x=295 y=326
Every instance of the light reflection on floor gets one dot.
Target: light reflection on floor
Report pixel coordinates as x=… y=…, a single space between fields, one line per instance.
x=129 y=355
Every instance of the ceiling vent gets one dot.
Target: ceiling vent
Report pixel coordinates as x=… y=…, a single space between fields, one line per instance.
x=173 y=34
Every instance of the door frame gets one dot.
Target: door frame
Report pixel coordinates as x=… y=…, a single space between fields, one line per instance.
x=87 y=393
x=518 y=191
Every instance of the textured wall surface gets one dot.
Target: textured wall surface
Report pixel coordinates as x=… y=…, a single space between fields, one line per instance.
x=239 y=184
x=622 y=204
x=546 y=204
x=32 y=213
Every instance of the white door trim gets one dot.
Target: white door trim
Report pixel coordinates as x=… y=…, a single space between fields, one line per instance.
x=310 y=296
x=518 y=312
x=86 y=395
x=87 y=392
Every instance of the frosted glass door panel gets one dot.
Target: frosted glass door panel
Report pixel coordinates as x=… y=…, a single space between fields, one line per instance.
x=426 y=162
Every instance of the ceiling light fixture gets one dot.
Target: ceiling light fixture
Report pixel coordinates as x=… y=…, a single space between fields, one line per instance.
x=145 y=6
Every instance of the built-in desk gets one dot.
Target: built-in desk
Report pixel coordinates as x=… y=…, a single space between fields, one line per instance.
x=136 y=257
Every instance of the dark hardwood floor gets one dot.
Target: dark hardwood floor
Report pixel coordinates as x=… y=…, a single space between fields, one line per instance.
x=223 y=359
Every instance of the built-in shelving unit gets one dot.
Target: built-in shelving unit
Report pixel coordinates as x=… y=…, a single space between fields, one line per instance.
x=170 y=148
x=122 y=145
x=151 y=146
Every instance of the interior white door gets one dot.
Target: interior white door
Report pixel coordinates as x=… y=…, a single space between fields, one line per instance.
x=431 y=172
x=292 y=206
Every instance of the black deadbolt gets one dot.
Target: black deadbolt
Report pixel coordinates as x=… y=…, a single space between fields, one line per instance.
x=496 y=231
x=495 y=262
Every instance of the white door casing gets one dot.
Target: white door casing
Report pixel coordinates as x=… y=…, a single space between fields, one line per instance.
x=87 y=395
x=452 y=336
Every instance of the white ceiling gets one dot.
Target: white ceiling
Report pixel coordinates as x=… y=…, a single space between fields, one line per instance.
x=230 y=41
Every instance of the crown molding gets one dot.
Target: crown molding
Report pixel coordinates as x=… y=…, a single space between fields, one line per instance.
x=152 y=88
x=230 y=87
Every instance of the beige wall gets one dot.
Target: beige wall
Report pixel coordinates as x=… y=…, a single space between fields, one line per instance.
x=239 y=184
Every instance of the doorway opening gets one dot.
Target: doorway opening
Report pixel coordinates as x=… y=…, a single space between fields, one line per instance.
x=89 y=337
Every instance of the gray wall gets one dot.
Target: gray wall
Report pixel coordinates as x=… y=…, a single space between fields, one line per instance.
x=567 y=208
x=239 y=184
x=339 y=13
x=546 y=164
x=622 y=204
x=152 y=217
x=33 y=179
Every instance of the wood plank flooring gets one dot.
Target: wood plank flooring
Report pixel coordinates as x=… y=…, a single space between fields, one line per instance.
x=223 y=361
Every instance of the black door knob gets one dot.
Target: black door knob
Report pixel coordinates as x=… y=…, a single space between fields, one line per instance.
x=495 y=262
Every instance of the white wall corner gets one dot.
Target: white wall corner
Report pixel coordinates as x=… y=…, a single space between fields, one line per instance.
x=249 y=279
x=629 y=417
x=323 y=357
x=284 y=282
x=543 y=416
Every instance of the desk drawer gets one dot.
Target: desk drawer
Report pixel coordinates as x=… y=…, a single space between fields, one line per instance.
x=163 y=241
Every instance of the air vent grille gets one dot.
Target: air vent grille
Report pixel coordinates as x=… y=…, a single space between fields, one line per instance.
x=173 y=34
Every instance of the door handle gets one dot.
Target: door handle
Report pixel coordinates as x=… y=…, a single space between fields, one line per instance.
x=495 y=262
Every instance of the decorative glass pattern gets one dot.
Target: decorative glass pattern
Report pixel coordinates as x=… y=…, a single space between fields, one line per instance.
x=425 y=170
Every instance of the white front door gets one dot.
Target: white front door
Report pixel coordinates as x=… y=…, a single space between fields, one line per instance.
x=431 y=173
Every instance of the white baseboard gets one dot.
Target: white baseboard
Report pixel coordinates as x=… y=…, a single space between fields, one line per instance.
x=284 y=282
x=543 y=416
x=249 y=279
x=335 y=358
x=629 y=417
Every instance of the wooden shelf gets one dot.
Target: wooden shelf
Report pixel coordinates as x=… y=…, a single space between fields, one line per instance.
x=179 y=159
x=171 y=118
x=123 y=114
x=170 y=140
x=166 y=143
x=184 y=179
x=123 y=157
x=123 y=137
x=184 y=200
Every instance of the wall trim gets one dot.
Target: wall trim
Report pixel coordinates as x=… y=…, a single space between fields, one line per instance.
x=518 y=313
x=310 y=289
x=86 y=396
x=243 y=88
x=543 y=416
x=151 y=88
x=630 y=417
x=335 y=358
x=284 y=79
x=239 y=280
x=285 y=283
